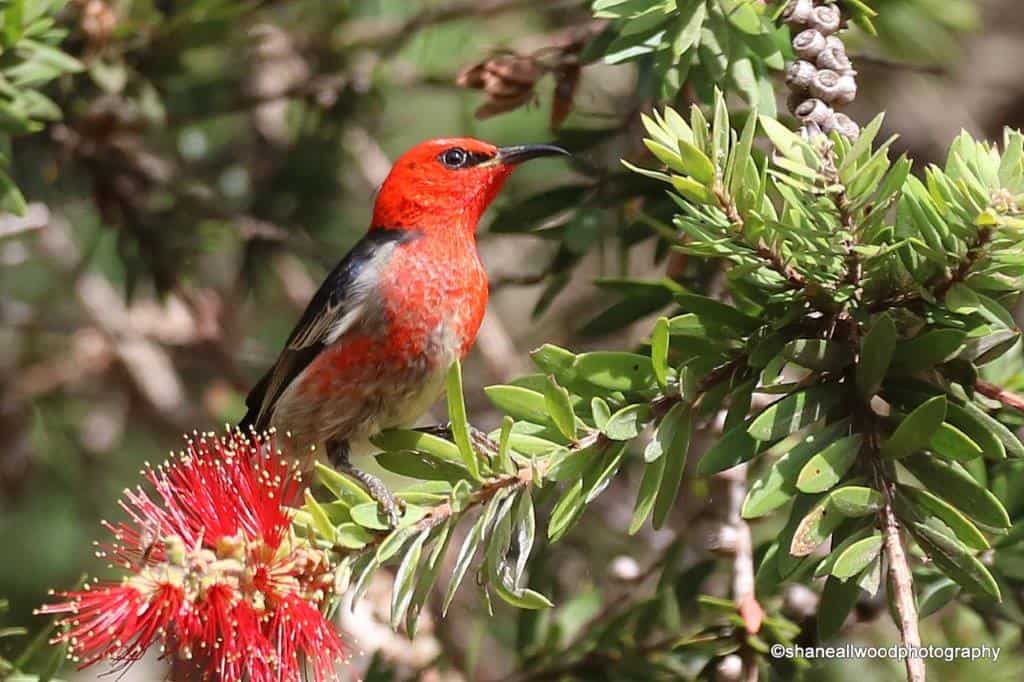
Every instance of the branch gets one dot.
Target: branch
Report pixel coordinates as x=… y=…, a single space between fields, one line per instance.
x=1004 y=396
x=901 y=581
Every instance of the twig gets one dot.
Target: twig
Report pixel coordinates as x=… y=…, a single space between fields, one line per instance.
x=1004 y=396
x=901 y=581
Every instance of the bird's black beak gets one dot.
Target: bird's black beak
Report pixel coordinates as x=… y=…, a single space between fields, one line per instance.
x=524 y=152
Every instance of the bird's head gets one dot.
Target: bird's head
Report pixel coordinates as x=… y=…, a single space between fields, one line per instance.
x=448 y=183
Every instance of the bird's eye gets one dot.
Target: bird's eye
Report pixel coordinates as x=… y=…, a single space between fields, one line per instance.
x=455 y=157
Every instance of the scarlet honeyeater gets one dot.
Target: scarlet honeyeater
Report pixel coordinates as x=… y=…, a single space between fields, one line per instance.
x=372 y=349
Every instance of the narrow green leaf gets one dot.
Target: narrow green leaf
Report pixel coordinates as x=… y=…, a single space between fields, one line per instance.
x=875 y=355
x=696 y=164
x=559 y=408
x=828 y=467
x=405 y=580
x=818 y=354
x=961 y=526
x=950 y=442
x=956 y=561
x=794 y=412
x=855 y=558
x=659 y=351
x=856 y=501
x=680 y=420
x=734 y=447
x=950 y=482
x=519 y=402
x=649 y=486
x=459 y=422
x=616 y=371
x=916 y=430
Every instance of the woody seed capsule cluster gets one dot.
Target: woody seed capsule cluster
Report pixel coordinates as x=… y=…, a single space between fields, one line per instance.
x=822 y=78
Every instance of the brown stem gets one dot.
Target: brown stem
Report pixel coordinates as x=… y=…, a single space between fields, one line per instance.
x=901 y=580
x=1007 y=398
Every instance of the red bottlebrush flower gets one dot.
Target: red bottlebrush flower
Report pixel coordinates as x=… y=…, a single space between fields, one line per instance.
x=214 y=573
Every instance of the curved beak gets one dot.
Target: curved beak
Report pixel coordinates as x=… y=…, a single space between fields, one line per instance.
x=524 y=152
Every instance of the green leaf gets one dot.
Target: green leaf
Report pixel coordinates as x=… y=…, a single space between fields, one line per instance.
x=408 y=439
x=927 y=350
x=519 y=402
x=837 y=600
x=916 y=430
x=818 y=354
x=828 y=467
x=856 y=501
x=659 y=351
x=459 y=422
x=627 y=422
x=961 y=526
x=952 y=443
x=776 y=484
x=428 y=577
x=463 y=560
x=344 y=487
x=693 y=190
x=816 y=526
x=875 y=355
x=696 y=164
x=950 y=482
x=716 y=312
x=505 y=462
x=677 y=424
x=855 y=558
x=794 y=412
x=734 y=447
x=935 y=595
x=405 y=580
x=649 y=486
x=322 y=524
x=1011 y=444
x=616 y=371
x=600 y=411
x=955 y=561
x=559 y=408
x=421 y=466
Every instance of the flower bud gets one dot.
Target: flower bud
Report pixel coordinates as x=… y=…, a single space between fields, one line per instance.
x=809 y=44
x=826 y=18
x=800 y=74
x=833 y=88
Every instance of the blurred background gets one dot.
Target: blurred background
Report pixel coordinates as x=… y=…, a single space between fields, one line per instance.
x=215 y=158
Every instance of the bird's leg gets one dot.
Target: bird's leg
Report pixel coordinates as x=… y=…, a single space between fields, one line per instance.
x=337 y=455
x=479 y=439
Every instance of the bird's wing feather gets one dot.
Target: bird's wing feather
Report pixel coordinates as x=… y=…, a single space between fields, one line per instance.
x=337 y=306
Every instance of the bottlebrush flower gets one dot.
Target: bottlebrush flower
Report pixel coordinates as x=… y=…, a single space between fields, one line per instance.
x=214 y=573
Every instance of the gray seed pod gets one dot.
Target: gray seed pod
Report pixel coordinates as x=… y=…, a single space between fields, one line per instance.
x=834 y=88
x=798 y=12
x=809 y=44
x=826 y=18
x=835 y=43
x=800 y=74
x=846 y=126
x=836 y=60
x=794 y=100
x=815 y=111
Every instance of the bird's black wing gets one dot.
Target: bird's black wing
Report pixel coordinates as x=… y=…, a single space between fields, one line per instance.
x=329 y=305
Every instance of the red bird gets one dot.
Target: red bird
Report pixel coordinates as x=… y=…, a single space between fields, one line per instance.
x=372 y=349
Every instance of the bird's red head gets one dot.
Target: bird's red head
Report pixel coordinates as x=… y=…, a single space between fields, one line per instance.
x=448 y=183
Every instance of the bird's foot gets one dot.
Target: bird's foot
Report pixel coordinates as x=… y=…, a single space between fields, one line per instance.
x=392 y=507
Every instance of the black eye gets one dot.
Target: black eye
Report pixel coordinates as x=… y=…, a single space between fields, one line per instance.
x=455 y=157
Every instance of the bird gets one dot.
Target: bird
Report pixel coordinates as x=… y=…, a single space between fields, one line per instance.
x=373 y=347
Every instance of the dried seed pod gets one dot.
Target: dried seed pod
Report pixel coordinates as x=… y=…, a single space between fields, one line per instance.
x=815 y=111
x=567 y=79
x=798 y=12
x=472 y=77
x=835 y=43
x=846 y=126
x=799 y=74
x=836 y=60
x=794 y=100
x=519 y=69
x=834 y=88
x=809 y=44
x=826 y=18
